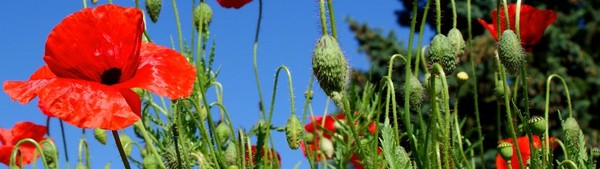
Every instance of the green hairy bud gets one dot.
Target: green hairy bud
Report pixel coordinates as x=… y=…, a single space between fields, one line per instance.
x=510 y=52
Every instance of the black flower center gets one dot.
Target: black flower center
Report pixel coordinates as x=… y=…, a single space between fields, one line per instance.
x=111 y=76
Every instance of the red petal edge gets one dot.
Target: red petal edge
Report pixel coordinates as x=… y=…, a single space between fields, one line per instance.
x=87 y=104
x=163 y=71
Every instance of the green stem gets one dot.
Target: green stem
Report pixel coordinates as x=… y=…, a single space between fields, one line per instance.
x=84 y=4
x=458 y=134
x=420 y=40
x=505 y=15
x=438 y=10
x=454 y=16
x=64 y=140
x=15 y=150
x=255 y=61
x=511 y=130
x=149 y=142
x=332 y=19
x=178 y=26
x=323 y=17
x=446 y=130
x=475 y=90
x=546 y=133
x=517 y=19
x=121 y=151
x=84 y=146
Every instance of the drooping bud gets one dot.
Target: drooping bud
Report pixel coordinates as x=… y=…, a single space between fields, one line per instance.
x=51 y=154
x=510 y=52
x=538 y=125
x=326 y=147
x=457 y=41
x=94 y=2
x=499 y=89
x=331 y=68
x=293 y=132
x=222 y=132
x=574 y=139
x=231 y=155
x=417 y=92
x=308 y=138
x=202 y=12
x=150 y=163
x=442 y=52
x=126 y=142
x=505 y=150
x=100 y=135
x=153 y=9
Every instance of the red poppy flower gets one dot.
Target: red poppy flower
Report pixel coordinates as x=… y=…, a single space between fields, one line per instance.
x=525 y=152
x=533 y=22
x=253 y=152
x=10 y=137
x=328 y=123
x=94 y=56
x=237 y=4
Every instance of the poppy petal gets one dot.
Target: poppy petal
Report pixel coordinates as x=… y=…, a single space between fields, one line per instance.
x=5 y=136
x=89 y=42
x=28 y=130
x=87 y=104
x=233 y=3
x=163 y=71
x=490 y=27
x=42 y=73
x=24 y=92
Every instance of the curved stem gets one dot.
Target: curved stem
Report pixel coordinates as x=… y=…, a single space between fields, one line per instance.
x=546 y=133
x=121 y=151
x=567 y=162
x=16 y=150
x=84 y=146
x=332 y=19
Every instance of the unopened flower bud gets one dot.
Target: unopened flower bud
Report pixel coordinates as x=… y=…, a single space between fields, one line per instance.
x=442 y=52
x=326 y=147
x=293 y=132
x=417 y=92
x=202 y=12
x=510 y=52
x=457 y=41
x=153 y=9
x=330 y=67
x=222 y=132
x=100 y=135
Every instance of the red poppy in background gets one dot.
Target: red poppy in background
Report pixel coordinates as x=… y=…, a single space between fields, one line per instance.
x=533 y=23
x=264 y=155
x=327 y=123
x=525 y=152
x=94 y=57
x=237 y=4
x=10 y=137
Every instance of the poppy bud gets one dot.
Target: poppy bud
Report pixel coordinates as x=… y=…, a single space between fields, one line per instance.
x=438 y=83
x=510 y=52
x=574 y=139
x=538 y=125
x=223 y=132
x=202 y=12
x=126 y=142
x=202 y=113
x=596 y=152
x=100 y=135
x=442 y=52
x=416 y=92
x=499 y=89
x=505 y=150
x=326 y=147
x=50 y=153
x=94 y=2
x=293 y=132
x=153 y=9
x=462 y=76
x=80 y=165
x=330 y=67
x=233 y=167
x=457 y=41
x=150 y=163
x=308 y=138
x=231 y=154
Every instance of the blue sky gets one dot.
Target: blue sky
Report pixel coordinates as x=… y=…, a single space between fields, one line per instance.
x=289 y=32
